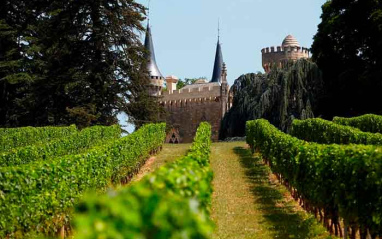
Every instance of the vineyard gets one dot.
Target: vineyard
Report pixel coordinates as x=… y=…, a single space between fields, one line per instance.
x=62 y=182
x=172 y=202
x=46 y=175
x=331 y=168
x=43 y=178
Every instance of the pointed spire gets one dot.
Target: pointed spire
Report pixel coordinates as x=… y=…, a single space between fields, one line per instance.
x=218 y=65
x=218 y=29
x=148 y=13
x=152 y=67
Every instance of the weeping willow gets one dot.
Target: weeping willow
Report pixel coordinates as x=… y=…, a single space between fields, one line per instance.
x=280 y=96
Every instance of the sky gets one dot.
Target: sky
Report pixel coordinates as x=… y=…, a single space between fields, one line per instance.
x=185 y=32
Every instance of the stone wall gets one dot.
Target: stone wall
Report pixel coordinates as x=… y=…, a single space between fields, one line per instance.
x=204 y=91
x=185 y=118
x=278 y=55
x=188 y=107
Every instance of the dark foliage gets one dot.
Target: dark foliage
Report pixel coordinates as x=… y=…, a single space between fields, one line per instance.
x=280 y=96
x=347 y=48
x=64 y=62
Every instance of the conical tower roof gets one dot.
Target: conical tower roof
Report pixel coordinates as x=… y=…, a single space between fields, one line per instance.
x=152 y=66
x=218 y=65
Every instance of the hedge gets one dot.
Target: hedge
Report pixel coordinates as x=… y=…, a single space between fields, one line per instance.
x=40 y=196
x=172 y=202
x=368 y=123
x=19 y=137
x=327 y=132
x=339 y=180
x=72 y=144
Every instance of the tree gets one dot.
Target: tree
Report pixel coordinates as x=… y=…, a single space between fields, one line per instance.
x=347 y=47
x=143 y=108
x=85 y=57
x=16 y=57
x=280 y=96
x=188 y=81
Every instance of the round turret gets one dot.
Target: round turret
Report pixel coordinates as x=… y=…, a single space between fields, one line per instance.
x=290 y=50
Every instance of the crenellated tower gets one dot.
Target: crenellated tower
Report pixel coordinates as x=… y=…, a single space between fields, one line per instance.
x=290 y=49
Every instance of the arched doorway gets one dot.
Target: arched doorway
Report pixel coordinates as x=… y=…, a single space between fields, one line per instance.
x=173 y=137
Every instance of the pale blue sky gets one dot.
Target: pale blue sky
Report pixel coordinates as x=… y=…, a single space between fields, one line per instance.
x=185 y=32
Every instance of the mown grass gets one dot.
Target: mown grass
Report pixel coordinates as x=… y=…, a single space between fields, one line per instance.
x=249 y=203
x=168 y=154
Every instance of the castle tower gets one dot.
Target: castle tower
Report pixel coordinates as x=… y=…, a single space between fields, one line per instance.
x=218 y=65
x=155 y=75
x=290 y=50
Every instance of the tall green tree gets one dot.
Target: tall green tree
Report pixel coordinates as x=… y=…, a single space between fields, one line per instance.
x=87 y=62
x=16 y=57
x=347 y=47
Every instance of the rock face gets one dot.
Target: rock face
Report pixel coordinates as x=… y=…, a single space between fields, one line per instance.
x=279 y=96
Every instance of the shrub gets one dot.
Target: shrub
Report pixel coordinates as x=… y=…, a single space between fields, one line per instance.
x=172 y=202
x=368 y=123
x=326 y=132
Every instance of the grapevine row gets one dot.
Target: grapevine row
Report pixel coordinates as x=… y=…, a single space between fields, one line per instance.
x=327 y=132
x=332 y=181
x=38 y=197
x=73 y=144
x=368 y=123
x=19 y=137
x=172 y=202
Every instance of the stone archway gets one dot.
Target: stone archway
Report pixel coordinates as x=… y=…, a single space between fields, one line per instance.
x=173 y=137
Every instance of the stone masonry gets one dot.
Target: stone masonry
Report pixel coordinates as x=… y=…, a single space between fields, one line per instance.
x=277 y=56
x=188 y=107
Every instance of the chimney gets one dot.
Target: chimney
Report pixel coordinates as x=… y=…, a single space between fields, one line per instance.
x=171 y=82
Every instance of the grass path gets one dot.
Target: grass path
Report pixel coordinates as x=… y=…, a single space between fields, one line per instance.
x=249 y=203
x=169 y=153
